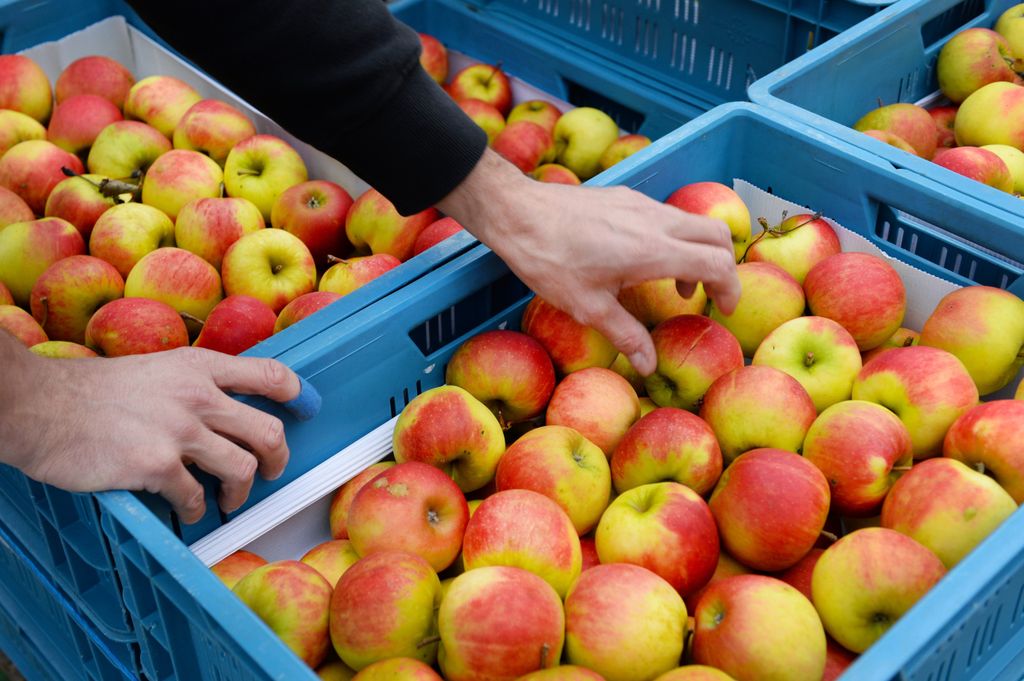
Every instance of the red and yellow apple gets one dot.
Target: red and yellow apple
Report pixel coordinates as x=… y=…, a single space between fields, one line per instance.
x=212 y=127
x=796 y=244
x=27 y=249
x=160 y=101
x=24 y=87
x=598 y=403
x=126 y=149
x=135 y=326
x=31 y=169
x=990 y=439
x=374 y=225
x=95 y=75
x=232 y=569
x=571 y=345
x=235 y=324
x=302 y=307
x=770 y=298
x=69 y=292
x=715 y=200
x=125 y=233
x=260 y=168
x=341 y=502
x=271 y=265
x=208 y=226
x=693 y=352
x=178 y=177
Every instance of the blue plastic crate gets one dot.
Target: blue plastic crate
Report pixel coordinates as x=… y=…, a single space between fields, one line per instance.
x=889 y=58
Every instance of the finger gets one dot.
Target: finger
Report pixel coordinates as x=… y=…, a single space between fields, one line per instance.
x=686 y=288
x=185 y=494
x=260 y=432
x=231 y=464
x=700 y=229
x=251 y=375
x=713 y=265
x=622 y=329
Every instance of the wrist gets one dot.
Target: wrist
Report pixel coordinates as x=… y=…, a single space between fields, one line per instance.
x=19 y=406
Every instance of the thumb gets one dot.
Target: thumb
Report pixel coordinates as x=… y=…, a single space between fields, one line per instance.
x=625 y=333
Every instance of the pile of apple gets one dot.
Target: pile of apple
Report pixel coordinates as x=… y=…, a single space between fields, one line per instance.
x=533 y=135
x=135 y=221
x=980 y=134
x=551 y=515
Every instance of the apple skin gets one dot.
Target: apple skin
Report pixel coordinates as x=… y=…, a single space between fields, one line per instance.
x=5 y=295
x=413 y=507
x=232 y=569
x=67 y=294
x=13 y=208
x=665 y=527
x=553 y=172
x=543 y=113
x=652 y=302
x=499 y=623
x=902 y=338
x=374 y=225
x=208 y=226
x=212 y=127
x=667 y=444
x=739 y=630
x=927 y=388
x=799 y=576
x=770 y=298
x=693 y=352
x=484 y=82
x=125 y=148
x=302 y=307
x=893 y=141
x=16 y=127
x=178 y=177
x=260 y=168
x=624 y=622
x=235 y=324
x=757 y=406
x=972 y=59
x=449 y=428
x=727 y=567
x=695 y=672
x=160 y=101
x=944 y=117
x=433 y=58
x=1014 y=160
x=522 y=528
x=856 y=445
x=336 y=670
x=78 y=120
x=94 y=75
x=434 y=233
x=31 y=169
x=342 y=500
x=79 y=201
x=817 y=352
x=345 y=276
x=62 y=350
x=565 y=672
x=525 y=144
x=179 y=278
x=331 y=559
x=397 y=668
x=135 y=326
x=21 y=325
x=562 y=465
x=27 y=249
x=947 y=507
x=484 y=115
x=910 y=122
x=508 y=371
x=315 y=212
x=598 y=403
x=983 y=327
x=270 y=265
x=24 y=87
x=988 y=438
x=622 y=148
x=978 y=164
x=865 y=582
x=623 y=367
x=125 y=233
x=588 y=550
x=717 y=201
x=837 y=660
x=796 y=244
x=860 y=291
x=571 y=345
x=581 y=136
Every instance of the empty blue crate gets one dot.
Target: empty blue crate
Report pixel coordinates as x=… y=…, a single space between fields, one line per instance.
x=889 y=58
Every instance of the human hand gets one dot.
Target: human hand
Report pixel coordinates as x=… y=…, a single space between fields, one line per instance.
x=578 y=247
x=136 y=422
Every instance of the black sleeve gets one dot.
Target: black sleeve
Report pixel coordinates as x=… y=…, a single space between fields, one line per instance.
x=342 y=75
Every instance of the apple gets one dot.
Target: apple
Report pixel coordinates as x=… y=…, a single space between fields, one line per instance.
x=179 y=278
x=27 y=249
x=271 y=265
x=693 y=351
x=135 y=326
x=857 y=445
x=484 y=115
x=740 y=631
x=947 y=507
x=695 y=672
x=260 y=168
x=16 y=127
x=499 y=623
x=78 y=120
x=571 y=345
x=910 y=122
x=588 y=551
x=208 y=226
x=796 y=244
x=525 y=144
x=508 y=371
x=21 y=325
x=983 y=327
x=336 y=670
x=652 y=302
x=800 y=575
x=717 y=201
x=374 y=225
x=232 y=569
x=553 y=172
x=302 y=307
x=539 y=111
x=1014 y=160
x=981 y=165
x=647 y=405
x=78 y=200
x=757 y=406
x=433 y=58
x=126 y=149
x=345 y=276
x=294 y=601
x=944 y=117
x=770 y=298
x=598 y=403
x=562 y=465
x=160 y=101
x=522 y=528
x=625 y=146
x=331 y=559
x=178 y=177
x=926 y=387
x=5 y=295
x=865 y=582
x=893 y=140
x=484 y=82
x=902 y=338
x=837 y=660
x=434 y=233
x=727 y=567
x=67 y=294
x=667 y=444
x=665 y=527
x=623 y=367
x=988 y=438
x=860 y=291
x=315 y=212
x=624 y=622
x=235 y=324
x=817 y=352
x=565 y=672
x=972 y=59
x=31 y=169
x=341 y=502
x=62 y=350
x=124 y=233
x=392 y=669
x=94 y=75
x=212 y=127
x=581 y=137
x=24 y=87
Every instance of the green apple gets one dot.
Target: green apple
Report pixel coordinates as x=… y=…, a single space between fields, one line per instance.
x=261 y=168
x=126 y=148
x=581 y=137
x=271 y=265
x=976 y=126
x=1014 y=160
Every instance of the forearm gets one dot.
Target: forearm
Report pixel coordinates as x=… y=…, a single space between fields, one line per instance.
x=24 y=376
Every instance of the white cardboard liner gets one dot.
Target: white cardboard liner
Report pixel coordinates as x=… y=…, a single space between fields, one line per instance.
x=295 y=519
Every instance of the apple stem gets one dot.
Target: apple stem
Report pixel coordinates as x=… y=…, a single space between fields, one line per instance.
x=545 y=650
x=45 y=302
x=980 y=467
x=430 y=640
x=505 y=425
x=909 y=341
x=765 y=230
x=494 y=72
x=335 y=260
x=191 y=318
x=247 y=171
x=809 y=359
x=222 y=190
x=902 y=469
x=276 y=268
x=831 y=536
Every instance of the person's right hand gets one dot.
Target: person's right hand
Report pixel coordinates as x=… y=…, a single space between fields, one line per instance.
x=136 y=422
